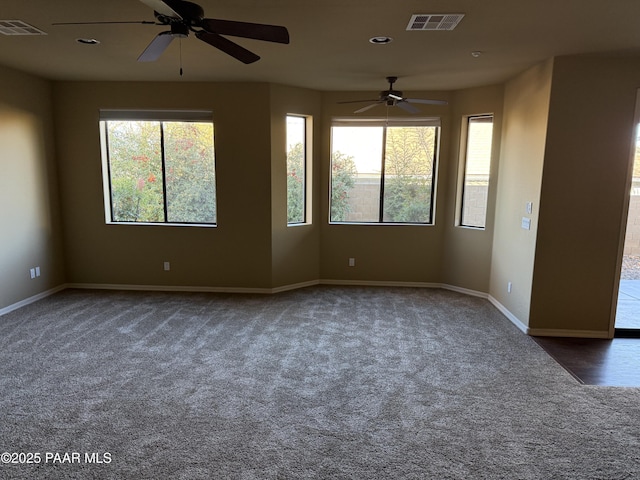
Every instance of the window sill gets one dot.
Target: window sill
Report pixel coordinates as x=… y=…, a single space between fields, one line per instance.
x=384 y=224
x=147 y=224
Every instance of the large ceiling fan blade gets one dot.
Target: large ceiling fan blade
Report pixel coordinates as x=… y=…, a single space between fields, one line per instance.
x=162 y=7
x=368 y=107
x=256 y=31
x=144 y=22
x=361 y=101
x=426 y=101
x=158 y=45
x=228 y=47
x=407 y=107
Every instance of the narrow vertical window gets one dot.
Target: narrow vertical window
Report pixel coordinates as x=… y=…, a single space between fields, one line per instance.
x=296 y=169
x=477 y=168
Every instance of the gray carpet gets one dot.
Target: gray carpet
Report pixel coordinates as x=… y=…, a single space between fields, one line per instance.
x=324 y=382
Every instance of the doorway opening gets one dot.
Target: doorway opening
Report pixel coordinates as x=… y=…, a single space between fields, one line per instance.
x=627 y=322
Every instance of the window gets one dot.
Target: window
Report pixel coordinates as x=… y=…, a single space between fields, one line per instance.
x=383 y=171
x=477 y=166
x=297 y=167
x=159 y=167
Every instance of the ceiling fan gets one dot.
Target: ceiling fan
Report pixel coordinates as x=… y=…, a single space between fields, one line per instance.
x=394 y=98
x=183 y=17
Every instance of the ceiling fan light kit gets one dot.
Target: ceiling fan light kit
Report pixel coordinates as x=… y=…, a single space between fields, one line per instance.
x=183 y=17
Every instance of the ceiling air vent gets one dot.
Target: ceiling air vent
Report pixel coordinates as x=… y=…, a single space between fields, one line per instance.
x=434 y=21
x=18 y=27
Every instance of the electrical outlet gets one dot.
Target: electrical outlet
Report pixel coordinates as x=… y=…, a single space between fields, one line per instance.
x=32 y=273
x=352 y=262
x=167 y=266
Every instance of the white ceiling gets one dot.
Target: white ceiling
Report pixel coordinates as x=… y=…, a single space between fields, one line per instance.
x=329 y=47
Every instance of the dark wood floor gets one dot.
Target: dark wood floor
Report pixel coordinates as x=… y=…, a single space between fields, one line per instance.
x=597 y=362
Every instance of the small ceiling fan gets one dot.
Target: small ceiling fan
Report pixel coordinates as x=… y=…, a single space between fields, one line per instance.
x=183 y=17
x=394 y=98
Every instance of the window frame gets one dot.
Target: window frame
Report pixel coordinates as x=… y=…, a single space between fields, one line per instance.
x=161 y=116
x=307 y=184
x=385 y=123
x=462 y=180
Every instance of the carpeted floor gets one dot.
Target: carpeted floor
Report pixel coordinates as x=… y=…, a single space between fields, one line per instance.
x=324 y=382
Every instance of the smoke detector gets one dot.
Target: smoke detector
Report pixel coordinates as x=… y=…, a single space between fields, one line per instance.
x=434 y=21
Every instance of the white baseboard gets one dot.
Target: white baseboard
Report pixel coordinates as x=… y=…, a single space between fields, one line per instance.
x=377 y=283
x=166 y=288
x=295 y=286
x=547 y=332
x=510 y=316
x=180 y=288
x=32 y=299
x=466 y=291
x=283 y=288
x=552 y=332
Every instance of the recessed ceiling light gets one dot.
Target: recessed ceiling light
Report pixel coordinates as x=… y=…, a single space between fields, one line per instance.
x=380 y=40
x=476 y=54
x=88 y=41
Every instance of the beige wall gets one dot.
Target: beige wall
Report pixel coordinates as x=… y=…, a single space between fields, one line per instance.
x=524 y=131
x=236 y=253
x=295 y=249
x=467 y=251
x=585 y=188
x=383 y=253
x=30 y=233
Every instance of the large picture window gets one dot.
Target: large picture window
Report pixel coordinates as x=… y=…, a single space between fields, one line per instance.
x=477 y=168
x=383 y=171
x=159 y=167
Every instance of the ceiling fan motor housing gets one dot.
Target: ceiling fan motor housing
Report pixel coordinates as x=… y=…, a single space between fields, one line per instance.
x=190 y=13
x=179 y=30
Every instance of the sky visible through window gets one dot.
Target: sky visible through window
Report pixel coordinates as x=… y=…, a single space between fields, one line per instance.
x=295 y=131
x=364 y=144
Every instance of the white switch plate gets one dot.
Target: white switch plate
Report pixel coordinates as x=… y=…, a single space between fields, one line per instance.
x=167 y=266
x=352 y=262
x=529 y=208
x=526 y=223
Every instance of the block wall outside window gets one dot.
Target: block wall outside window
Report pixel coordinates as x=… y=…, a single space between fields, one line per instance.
x=383 y=171
x=477 y=170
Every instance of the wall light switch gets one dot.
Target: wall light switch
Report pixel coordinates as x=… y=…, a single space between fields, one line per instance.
x=526 y=223
x=529 y=208
x=352 y=262
x=167 y=266
x=37 y=271
x=32 y=272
